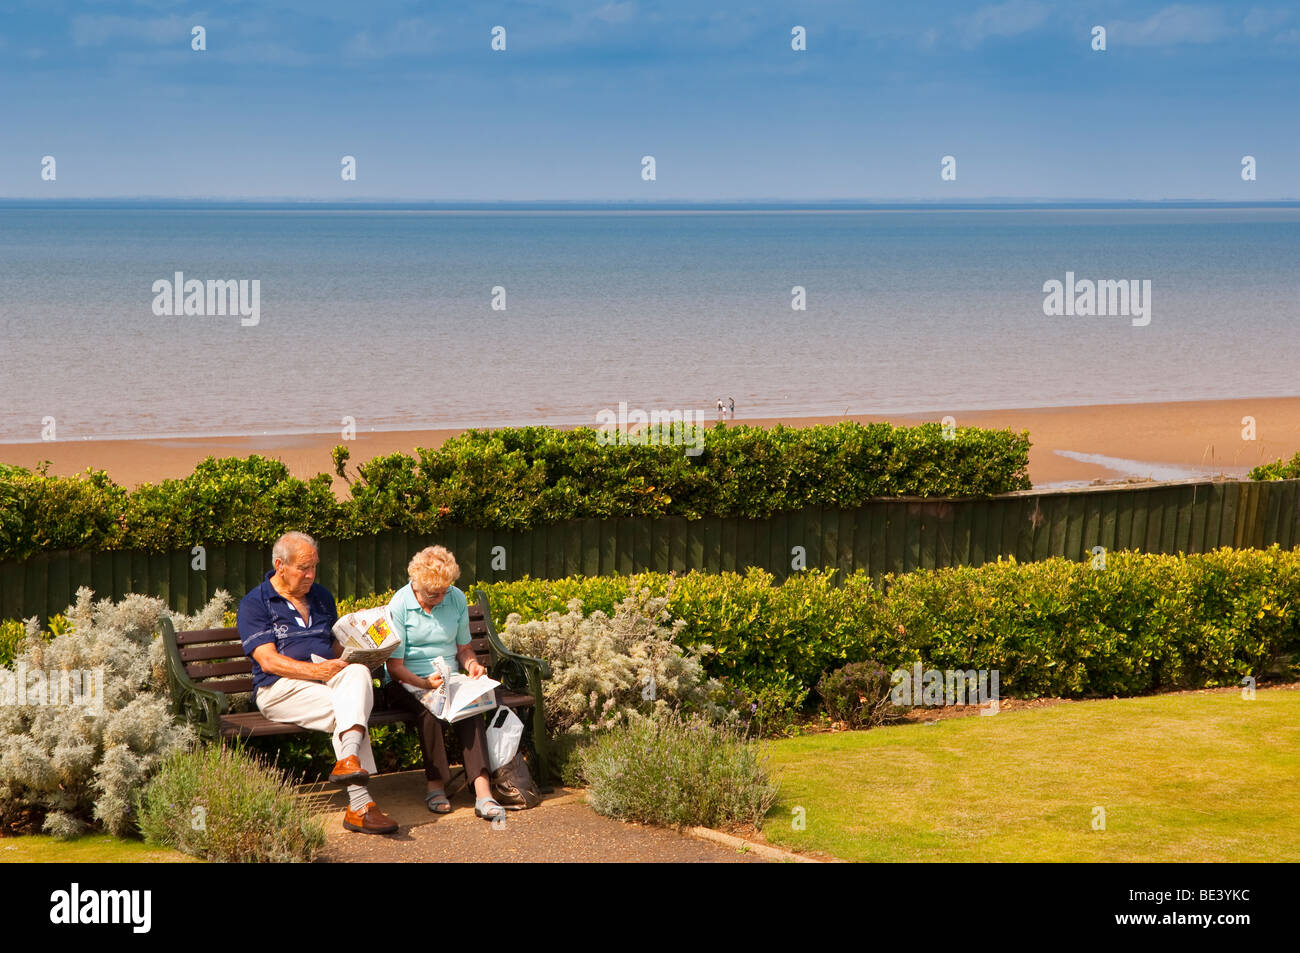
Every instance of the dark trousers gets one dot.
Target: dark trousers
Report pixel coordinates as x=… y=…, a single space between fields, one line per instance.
x=471 y=731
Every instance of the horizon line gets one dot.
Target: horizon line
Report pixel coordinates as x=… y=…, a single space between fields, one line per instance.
x=653 y=203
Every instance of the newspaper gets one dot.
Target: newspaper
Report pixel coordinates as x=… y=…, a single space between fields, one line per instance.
x=367 y=636
x=459 y=696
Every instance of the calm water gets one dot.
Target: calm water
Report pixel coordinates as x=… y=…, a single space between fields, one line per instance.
x=385 y=316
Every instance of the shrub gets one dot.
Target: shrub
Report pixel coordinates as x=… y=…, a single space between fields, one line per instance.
x=1057 y=627
x=1277 y=470
x=510 y=479
x=767 y=642
x=12 y=633
x=224 y=804
x=857 y=694
x=251 y=499
x=603 y=668
x=518 y=478
x=678 y=772
x=40 y=512
x=1144 y=623
x=77 y=766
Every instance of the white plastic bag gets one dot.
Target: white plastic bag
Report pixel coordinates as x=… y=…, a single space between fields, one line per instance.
x=503 y=737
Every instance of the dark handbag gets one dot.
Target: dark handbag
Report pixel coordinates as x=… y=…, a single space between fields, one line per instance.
x=512 y=785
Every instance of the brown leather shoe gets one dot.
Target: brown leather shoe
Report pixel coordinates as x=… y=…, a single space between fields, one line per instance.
x=349 y=771
x=371 y=820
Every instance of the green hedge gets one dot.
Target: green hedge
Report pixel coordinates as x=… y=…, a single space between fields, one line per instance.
x=1277 y=470
x=1144 y=623
x=511 y=479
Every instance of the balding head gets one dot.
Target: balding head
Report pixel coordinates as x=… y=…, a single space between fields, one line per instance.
x=287 y=547
x=295 y=556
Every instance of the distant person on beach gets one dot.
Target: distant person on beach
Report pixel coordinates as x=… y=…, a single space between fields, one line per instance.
x=284 y=622
x=722 y=411
x=731 y=407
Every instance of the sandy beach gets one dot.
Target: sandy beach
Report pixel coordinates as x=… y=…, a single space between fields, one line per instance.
x=1071 y=445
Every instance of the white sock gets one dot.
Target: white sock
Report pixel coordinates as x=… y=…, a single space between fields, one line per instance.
x=350 y=744
x=358 y=796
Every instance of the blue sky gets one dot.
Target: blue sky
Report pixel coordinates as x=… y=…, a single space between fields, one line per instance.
x=715 y=93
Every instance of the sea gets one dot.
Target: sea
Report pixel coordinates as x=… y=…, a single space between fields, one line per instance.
x=399 y=317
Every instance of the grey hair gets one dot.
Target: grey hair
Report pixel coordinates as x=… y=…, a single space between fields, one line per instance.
x=287 y=544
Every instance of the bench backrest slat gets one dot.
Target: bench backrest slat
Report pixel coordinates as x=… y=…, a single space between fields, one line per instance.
x=231 y=686
x=201 y=636
x=212 y=655
x=199 y=653
x=206 y=670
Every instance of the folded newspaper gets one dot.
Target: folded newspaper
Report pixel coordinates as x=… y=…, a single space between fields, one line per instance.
x=459 y=696
x=367 y=636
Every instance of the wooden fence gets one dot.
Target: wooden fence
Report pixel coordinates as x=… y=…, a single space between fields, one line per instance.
x=888 y=535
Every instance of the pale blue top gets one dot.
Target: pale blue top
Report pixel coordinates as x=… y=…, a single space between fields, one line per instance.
x=427 y=635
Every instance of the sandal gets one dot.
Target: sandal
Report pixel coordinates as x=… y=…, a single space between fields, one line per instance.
x=488 y=808
x=437 y=802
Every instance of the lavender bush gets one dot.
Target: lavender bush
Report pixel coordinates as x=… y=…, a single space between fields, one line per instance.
x=229 y=805
x=678 y=772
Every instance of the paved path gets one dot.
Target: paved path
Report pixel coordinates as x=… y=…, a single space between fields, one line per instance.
x=562 y=828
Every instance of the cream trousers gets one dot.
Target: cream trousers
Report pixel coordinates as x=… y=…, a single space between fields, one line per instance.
x=345 y=700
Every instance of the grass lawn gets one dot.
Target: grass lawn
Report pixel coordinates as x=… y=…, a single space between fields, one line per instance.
x=91 y=849
x=1186 y=777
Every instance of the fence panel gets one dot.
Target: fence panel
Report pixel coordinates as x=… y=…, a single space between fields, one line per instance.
x=881 y=536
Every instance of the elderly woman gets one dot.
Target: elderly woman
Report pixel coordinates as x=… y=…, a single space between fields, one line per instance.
x=431 y=617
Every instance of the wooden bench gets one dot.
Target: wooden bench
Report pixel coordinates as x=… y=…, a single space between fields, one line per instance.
x=206 y=666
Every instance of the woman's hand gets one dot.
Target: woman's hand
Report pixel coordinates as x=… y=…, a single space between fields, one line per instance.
x=474 y=668
x=433 y=681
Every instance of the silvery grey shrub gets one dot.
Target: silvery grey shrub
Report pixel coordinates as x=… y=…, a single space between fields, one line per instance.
x=601 y=664
x=83 y=770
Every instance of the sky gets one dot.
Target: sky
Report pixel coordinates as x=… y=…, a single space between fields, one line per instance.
x=1013 y=91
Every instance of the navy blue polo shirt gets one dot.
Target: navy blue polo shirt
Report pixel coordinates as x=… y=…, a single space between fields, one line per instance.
x=265 y=616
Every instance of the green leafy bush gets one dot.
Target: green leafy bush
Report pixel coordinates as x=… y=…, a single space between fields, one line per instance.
x=1277 y=470
x=510 y=479
x=1144 y=623
x=227 y=805
x=232 y=499
x=677 y=772
x=857 y=694
x=40 y=512
x=518 y=478
x=12 y=633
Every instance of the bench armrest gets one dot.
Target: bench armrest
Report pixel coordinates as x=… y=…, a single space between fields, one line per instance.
x=499 y=650
x=201 y=707
x=533 y=671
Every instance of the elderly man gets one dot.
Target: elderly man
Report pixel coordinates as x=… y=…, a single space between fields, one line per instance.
x=282 y=623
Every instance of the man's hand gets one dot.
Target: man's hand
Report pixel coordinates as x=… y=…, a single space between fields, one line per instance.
x=328 y=669
x=273 y=663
